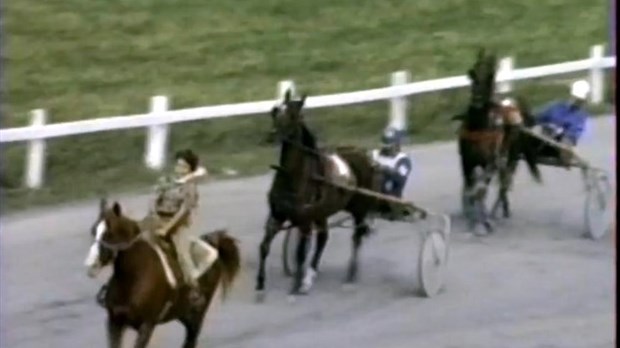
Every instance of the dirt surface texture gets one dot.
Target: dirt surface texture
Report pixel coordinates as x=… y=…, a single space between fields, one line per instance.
x=535 y=283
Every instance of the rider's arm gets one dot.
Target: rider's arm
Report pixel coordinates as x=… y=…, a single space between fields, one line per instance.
x=189 y=202
x=200 y=172
x=575 y=128
x=157 y=194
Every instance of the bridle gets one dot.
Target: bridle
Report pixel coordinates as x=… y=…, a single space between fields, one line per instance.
x=120 y=246
x=115 y=248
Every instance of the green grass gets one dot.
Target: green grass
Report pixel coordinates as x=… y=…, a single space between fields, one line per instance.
x=82 y=59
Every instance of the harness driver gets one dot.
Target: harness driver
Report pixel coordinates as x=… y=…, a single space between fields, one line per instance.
x=565 y=121
x=395 y=165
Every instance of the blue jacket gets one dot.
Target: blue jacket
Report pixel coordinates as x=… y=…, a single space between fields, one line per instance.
x=571 y=120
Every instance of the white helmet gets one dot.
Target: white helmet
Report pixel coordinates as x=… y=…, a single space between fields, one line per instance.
x=508 y=102
x=580 y=89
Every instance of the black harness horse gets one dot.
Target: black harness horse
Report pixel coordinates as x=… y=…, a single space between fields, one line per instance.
x=301 y=195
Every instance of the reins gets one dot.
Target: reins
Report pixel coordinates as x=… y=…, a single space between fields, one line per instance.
x=121 y=246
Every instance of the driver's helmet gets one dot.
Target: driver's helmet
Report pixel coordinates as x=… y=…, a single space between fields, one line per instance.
x=580 y=89
x=390 y=138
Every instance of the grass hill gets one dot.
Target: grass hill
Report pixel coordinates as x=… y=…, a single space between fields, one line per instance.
x=83 y=59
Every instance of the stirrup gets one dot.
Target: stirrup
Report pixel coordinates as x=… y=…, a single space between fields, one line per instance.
x=195 y=296
x=101 y=295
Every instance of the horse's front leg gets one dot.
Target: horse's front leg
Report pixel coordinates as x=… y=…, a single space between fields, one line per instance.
x=506 y=177
x=145 y=332
x=272 y=227
x=115 y=331
x=471 y=198
x=484 y=215
x=467 y=194
x=322 y=235
x=305 y=232
x=361 y=230
x=482 y=178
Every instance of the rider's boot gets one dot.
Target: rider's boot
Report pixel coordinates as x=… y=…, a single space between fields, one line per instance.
x=195 y=294
x=204 y=264
x=100 y=298
x=182 y=242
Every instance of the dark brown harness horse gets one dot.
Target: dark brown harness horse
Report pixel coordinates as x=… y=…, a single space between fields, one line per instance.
x=299 y=194
x=140 y=294
x=480 y=140
x=490 y=143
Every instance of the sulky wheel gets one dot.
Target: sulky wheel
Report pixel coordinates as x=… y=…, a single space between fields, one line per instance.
x=598 y=205
x=432 y=263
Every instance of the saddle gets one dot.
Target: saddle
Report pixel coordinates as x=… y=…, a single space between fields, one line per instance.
x=164 y=247
x=168 y=257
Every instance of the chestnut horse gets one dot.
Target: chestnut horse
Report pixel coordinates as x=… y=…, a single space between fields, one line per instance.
x=144 y=290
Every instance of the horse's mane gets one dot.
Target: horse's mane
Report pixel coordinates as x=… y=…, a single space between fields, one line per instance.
x=308 y=140
x=128 y=224
x=307 y=137
x=482 y=75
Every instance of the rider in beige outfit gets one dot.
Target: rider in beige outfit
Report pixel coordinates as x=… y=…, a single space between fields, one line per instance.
x=172 y=213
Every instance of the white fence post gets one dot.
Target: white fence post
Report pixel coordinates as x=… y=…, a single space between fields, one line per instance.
x=157 y=137
x=398 y=105
x=597 y=53
x=283 y=86
x=506 y=66
x=35 y=165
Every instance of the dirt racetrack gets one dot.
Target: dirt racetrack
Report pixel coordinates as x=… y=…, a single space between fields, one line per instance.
x=535 y=283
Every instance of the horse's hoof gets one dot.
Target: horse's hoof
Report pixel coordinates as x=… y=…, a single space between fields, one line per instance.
x=305 y=288
x=259 y=296
x=294 y=295
x=495 y=213
x=308 y=280
x=298 y=291
x=489 y=227
x=478 y=231
x=291 y=299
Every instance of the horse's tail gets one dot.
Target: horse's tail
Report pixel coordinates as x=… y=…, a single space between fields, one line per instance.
x=229 y=259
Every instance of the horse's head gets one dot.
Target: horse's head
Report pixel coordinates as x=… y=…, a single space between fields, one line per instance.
x=515 y=112
x=482 y=77
x=287 y=117
x=111 y=232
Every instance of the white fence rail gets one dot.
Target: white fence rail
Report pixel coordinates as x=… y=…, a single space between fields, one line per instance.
x=158 y=119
